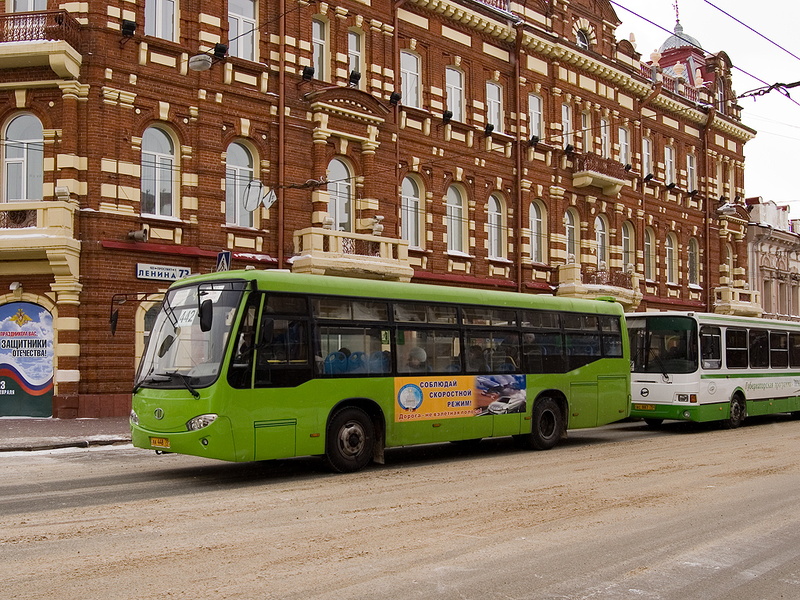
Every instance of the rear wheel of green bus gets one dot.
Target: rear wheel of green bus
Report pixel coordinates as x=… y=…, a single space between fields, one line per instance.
x=350 y=440
x=547 y=424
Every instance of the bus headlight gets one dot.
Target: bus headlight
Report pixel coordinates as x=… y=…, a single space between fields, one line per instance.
x=134 y=418
x=200 y=422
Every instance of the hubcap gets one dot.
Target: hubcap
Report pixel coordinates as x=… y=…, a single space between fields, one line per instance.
x=351 y=439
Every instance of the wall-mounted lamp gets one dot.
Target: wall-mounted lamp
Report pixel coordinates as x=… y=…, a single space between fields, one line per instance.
x=648 y=177
x=671 y=186
x=394 y=98
x=61 y=193
x=533 y=141
x=14 y=286
x=354 y=78
x=723 y=199
x=628 y=166
x=737 y=198
x=140 y=235
x=447 y=116
x=693 y=193
x=569 y=148
x=220 y=51
x=127 y=29
x=308 y=73
x=487 y=131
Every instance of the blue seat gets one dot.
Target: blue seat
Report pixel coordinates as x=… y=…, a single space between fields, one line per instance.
x=335 y=362
x=378 y=362
x=357 y=363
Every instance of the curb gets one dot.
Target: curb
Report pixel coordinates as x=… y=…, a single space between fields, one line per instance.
x=34 y=447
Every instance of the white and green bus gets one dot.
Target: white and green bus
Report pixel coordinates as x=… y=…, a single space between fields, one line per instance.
x=708 y=367
x=256 y=365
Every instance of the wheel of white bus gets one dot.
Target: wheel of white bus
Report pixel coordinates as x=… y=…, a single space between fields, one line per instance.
x=653 y=422
x=350 y=440
x=547 y=424
x=737 y=413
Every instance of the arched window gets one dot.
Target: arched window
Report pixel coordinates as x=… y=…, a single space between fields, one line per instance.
x=536 y=223
x=23 y=159
x=158 y=173
x=410 y=212
x=649 y=254
x=410 y=79
x=242 y=28
x=340 y=194
x=671 y=247
x=582 y=39
x=601 y=241
x=628 y=246
x=693 y=260
x=571 y=231
x=239 y=173
x=454 y=203
x=496 y=227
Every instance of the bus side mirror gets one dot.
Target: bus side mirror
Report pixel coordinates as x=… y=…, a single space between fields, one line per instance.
x=113 y=321
x=206 y=315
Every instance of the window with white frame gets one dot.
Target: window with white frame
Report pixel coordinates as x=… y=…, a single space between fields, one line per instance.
x=242 y=28
x=624 y=145
x=494 y=105
x=693 y=262
x=720 y=182
x=582 y=38
x=159 y=165
x=535 y=112
x=496 y=226
x=239 y=172
x=669 y=164
x=571 y=234
x=23 y=159
x=410 y=79
x=628 y=246
x=601 y=242
x=566 y=125
x=536 y=223
x=340 y=195
x=454 y=222
x=586 y=131
x=671 y=250
x=691 y=172
x=649 y=254
x=410 y=212
x=454 y=83
x=28 y=5
x=319 y=48
x=159 y=19
x=355 y=54
x=647 y=156
x=605 y=138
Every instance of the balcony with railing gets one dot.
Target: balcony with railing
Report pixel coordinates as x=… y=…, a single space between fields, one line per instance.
x=734 y=300
x=49 y=38
x=584 y=281
x=604 y=173
x=326 y=252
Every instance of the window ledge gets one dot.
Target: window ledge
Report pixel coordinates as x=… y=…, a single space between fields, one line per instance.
x=459 y=254
x=500 y=260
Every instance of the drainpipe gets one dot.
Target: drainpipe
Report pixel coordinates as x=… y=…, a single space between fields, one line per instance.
x=281 y=130
x=518 y=107
x=396 y=107
x=710 y=209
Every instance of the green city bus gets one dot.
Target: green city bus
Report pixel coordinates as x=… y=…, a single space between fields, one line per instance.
x=258 y=364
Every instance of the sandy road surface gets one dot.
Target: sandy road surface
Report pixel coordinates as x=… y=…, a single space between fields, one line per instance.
x=617 y=512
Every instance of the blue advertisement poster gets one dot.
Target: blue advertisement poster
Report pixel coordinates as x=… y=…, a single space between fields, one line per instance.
x=26 y=360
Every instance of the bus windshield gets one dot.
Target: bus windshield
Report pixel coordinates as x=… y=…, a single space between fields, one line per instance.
x=663 y=344
x=188 y=339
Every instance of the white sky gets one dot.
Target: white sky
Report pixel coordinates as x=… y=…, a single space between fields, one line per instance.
x=772 y=159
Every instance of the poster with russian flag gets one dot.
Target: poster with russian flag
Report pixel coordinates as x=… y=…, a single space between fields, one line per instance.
x=26 y=360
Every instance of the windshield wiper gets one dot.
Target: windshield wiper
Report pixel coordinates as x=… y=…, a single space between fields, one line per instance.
x=150 y=378
x=185 y=381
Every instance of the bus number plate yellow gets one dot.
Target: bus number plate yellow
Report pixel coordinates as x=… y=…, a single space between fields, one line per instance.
x=159 y=442
x=644 y=407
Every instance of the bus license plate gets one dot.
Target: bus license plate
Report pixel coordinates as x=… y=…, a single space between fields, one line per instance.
x=159 y=442
x=644 y=407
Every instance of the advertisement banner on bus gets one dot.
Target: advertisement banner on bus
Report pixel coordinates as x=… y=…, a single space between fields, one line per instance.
x=427 y=398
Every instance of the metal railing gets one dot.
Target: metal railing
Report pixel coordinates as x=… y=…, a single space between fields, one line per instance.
x=595 y=276
x=40 y=26
x=597 y=164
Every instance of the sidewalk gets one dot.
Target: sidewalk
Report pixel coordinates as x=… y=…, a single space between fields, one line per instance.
x=22 y=433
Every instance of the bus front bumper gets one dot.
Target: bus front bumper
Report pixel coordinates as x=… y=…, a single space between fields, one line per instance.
x=699 y=413
x=213 y=441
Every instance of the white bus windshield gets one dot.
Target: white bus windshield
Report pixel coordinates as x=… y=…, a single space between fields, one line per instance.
x=180 y=353
x=663 y=344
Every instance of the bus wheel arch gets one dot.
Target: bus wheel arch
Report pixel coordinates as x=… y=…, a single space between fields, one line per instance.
x=548 y=421
x=354 y=435
x=737 y=411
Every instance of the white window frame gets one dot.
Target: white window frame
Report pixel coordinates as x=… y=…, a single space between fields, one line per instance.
x=455 y=220
x=586 y=131
x=160 y=19
x=19 y=6
x=567 y=135
x=165 y=170
x=454 y=86
x=319 y=48
x=649 y=254
x=496 y=227
x=494 y=105
x=582 y=39
x=628 y=246
x=669 y=164
x=647 y=156
x=691 y=172
x=671 y=257
x=572 y=236
x=538 y=233
x=237 y=178
x=24 y=156
x=601 y=241
x=410 y=76
x=605 y=138
x=535 y=114
x=242 y=31
x=624 y=145
x=410 y=212
x=340 y=195
x=693 y=262
x=355 y=54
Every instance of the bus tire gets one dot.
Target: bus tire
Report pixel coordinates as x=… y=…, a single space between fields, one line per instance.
x=738 y=412
x=654 y=422
x=350 y=440
x=547 y=424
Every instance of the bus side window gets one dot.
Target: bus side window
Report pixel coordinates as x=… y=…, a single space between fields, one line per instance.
x=710 y=348
x=241 y=368
x=794 y=349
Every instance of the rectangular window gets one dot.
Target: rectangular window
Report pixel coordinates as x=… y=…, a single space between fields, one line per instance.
x=624 y=146
x=759 y=349
x=494 y=106
x=535 y=115
x=691 y=172
x=647 y=156
x=348 y=350
x=428 y=351
x=586 y=131
x=242 y=28
x=455 y=92
x=605 y=138
x=794 y=350
x=319 y=43
x=710 y=347
x=492 y=352
x=351 y=310
x=566 y=124
x=159 y=19
x=778 y=349
x=736 y=348
x=410 y=79
x=669 y=164
x=411 y=312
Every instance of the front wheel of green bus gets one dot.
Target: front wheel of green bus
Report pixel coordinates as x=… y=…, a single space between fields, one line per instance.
x=350 y=440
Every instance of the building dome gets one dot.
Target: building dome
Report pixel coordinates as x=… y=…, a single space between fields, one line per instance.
x=679 y=40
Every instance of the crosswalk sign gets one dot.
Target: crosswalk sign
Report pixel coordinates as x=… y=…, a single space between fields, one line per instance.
x=223 y=261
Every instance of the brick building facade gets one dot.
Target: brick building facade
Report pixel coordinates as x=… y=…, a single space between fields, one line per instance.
x=455 y=142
